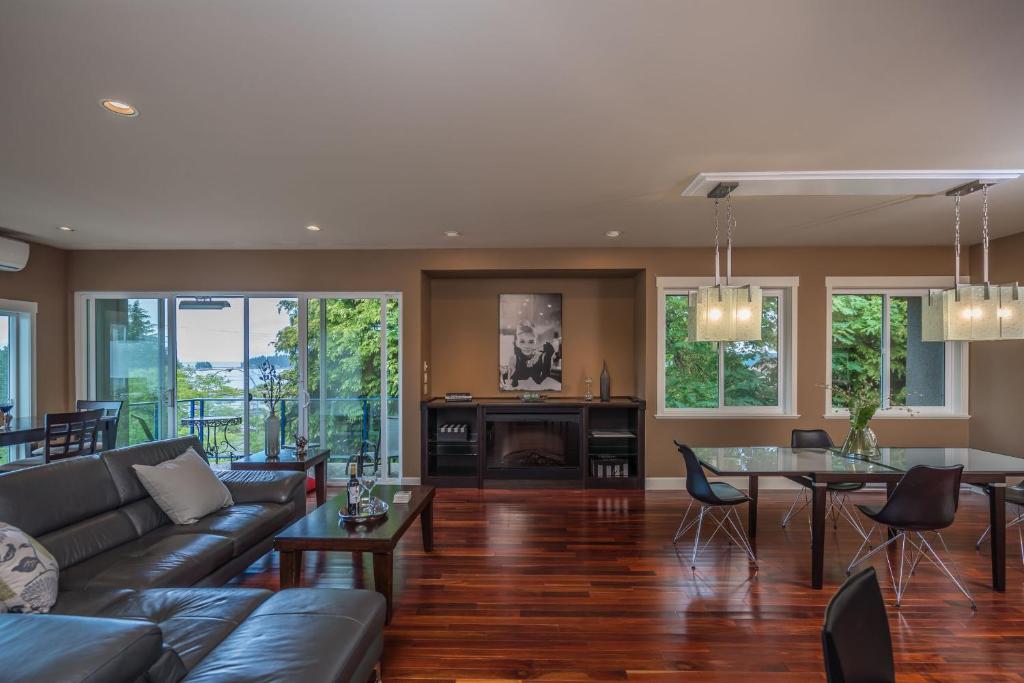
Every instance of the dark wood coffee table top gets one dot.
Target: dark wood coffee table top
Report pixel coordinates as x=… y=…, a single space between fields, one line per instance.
x=286 y=460
x=322 y=530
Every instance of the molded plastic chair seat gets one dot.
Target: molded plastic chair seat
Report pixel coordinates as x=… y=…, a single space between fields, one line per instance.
x=833 y=486
x=728 y=494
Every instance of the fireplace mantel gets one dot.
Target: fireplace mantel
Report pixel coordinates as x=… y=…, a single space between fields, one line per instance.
x=558 y=442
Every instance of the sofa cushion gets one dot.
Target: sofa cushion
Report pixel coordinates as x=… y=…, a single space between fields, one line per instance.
x=56 y=648
x=244 y=525
x=184 y=487
x=89 y=603
x=119 y=463
x=151 y=561
x=193 y=620
x=80 y=541
x=28 y=573
x=39 y=500
x=313 y=633
x=256 y=486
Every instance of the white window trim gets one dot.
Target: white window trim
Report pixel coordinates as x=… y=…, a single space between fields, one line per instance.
x=24 y=357
x=957 y=356
x=786 y=289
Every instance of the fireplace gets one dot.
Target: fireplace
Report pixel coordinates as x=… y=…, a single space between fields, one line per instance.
x=533 y=445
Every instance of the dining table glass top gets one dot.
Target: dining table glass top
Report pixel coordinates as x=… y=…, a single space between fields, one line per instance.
x=777 y=460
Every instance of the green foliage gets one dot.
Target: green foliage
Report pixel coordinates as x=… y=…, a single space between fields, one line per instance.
x=857 y=346
x=691 y=368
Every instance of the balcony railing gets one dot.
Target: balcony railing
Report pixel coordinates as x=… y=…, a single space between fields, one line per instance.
x=348 y=423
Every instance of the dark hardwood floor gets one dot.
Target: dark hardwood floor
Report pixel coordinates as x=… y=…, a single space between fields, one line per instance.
x=587 y=586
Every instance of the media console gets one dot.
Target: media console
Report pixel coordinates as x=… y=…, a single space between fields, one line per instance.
x=558 y=442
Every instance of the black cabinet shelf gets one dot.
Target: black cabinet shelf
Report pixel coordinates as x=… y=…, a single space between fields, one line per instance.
x=611 y=435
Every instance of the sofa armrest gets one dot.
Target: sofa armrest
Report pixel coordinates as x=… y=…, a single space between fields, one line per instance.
x=91 y=649
x=248 y=486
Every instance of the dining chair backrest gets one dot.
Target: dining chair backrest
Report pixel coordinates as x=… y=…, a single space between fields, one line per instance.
x=67 y=435
x=697 y=484
x=810 y=438
x=855 y=637
x=112 y=411
x=109 y=408
x=925 y=498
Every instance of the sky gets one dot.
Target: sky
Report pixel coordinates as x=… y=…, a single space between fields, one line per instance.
x=218 y=336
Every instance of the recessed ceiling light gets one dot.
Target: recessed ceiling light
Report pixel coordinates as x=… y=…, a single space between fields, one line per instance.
x=313 y=228
x=118 y=107
x=452 y=233
x=613 y=233
x=66 y=228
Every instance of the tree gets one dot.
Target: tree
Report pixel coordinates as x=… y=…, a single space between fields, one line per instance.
x=691 y=368
x=857 y=343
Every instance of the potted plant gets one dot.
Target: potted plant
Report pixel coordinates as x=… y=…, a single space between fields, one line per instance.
x=862 y=399
x=270 y=387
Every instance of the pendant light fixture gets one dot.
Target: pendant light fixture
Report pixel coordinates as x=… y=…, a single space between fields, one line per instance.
x=723 y=311
x=972 y=312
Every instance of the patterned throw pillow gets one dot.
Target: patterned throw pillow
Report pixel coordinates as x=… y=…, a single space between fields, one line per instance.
x=28 y=573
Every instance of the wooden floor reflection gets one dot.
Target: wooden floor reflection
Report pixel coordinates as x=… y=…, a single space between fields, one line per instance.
x=587 y=586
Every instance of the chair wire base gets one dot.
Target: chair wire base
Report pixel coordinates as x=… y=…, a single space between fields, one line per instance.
x=1015 y=522
x=838 y=506
x=728 y=522
x=920 y=548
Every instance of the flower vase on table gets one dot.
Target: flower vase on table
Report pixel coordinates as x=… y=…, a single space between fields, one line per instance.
x=862 y=399
x=270 y=385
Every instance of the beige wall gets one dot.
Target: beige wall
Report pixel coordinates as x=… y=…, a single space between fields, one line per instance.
x=597 y=326
x=44 y=281
x=997 y=368
x=404 y=271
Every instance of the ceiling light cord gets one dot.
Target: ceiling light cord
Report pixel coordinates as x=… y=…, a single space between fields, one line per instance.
x=730 y=223
x=956 y=245
x=984 y=232
x=718 y=274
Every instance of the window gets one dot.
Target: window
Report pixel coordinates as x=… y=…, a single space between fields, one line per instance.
x=875 y=337
x=17 y=380
x=710 y=379
x=191 y=364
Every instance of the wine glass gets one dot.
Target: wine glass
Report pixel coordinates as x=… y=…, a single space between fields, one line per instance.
x=368 y=481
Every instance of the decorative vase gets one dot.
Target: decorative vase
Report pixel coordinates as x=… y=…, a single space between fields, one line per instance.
x=273 y=435
x=588 y=394
x=606 y=384
x=861 y=442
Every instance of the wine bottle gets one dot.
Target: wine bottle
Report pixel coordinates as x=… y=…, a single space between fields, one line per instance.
x=353 y=490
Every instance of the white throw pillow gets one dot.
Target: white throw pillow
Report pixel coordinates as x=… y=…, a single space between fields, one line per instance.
x=185 y=488
x=28 y=573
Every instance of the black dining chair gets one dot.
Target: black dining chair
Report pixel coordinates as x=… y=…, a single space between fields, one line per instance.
x=855 y=636
x=711 y=496
x=838 y=492
x=924 y=501
x=112 y=411
x=66 y=435
x=1015 y=496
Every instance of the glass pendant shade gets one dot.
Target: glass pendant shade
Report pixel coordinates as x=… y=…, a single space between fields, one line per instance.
x=974 y=315
x=933 y=316
x=724 y=313
x=1011 y=312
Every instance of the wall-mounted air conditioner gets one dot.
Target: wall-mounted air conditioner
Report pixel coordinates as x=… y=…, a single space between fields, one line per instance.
x=13 y=254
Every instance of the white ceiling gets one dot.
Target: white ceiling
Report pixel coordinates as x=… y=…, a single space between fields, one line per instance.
x=518 y=123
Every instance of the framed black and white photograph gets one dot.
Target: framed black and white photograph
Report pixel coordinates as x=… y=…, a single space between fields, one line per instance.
x=530 y=342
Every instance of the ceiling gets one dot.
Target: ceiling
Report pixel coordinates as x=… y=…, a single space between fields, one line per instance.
x=519 y=123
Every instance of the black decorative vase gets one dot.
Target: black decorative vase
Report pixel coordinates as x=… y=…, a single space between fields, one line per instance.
x=606 y=385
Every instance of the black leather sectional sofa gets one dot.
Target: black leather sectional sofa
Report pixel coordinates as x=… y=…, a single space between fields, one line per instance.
x=138 y=598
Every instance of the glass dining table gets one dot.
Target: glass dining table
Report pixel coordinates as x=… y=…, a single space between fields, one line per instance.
x=823 y=467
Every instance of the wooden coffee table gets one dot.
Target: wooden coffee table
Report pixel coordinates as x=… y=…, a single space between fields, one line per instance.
x=287 y=460
x=322 y=530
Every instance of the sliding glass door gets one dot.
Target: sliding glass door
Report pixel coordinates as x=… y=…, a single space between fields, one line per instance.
x=199 y=364
x=127 y=359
